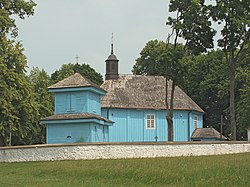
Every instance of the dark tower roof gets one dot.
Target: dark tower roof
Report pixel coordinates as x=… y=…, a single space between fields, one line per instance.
x=111 y=66
x=112 y=56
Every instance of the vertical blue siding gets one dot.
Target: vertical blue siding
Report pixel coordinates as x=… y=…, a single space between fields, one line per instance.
x=135 y=126
x=99 y=133
x=106 y=133
x=80 y=132
x=77 y=102
x=130 y=125
x=104 y=113
x=70 y=102
x=94 y=103
x=200 y=121
x=162 y=127
x=180 y=125
x=118 y=132
x=68 y=133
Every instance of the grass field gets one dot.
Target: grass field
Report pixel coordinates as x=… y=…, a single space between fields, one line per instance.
x=224 y=170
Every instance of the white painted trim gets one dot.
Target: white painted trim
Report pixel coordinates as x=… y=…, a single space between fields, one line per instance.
x=150 y=128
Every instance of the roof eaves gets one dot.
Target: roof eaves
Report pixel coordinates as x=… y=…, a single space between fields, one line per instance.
x=151 y=108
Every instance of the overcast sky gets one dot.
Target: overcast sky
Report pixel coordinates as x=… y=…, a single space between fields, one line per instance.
x=60 y=30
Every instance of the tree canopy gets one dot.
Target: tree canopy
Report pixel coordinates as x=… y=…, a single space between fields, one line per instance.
x=84 y=69
x=9 y=8
x=160 y=58
x=193 y=23
x=234 y=41
x=17 y=108
x=205 y=79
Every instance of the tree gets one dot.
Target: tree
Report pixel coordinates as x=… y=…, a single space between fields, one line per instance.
x=40 y=81
x=148 y=63
x=84 y=69
x=191 y=21
x=8 y=8
x=242 y=95
x=235 y=17
x=157 y=59
x=192 y=25
x=17 y=109
x=205 y=79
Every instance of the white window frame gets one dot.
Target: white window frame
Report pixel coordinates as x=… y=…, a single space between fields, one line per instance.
x=196 y=121
x=150 y=121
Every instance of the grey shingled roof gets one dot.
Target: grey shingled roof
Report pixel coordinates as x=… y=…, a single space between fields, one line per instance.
x=148 y=92
x=75 y=116
x=76 y=80
x=206 y=133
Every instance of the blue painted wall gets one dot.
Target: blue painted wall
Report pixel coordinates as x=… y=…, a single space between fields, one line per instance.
x=99 y=133
x=94 y=103
x=130 y=125
x=77 y=102
x=76 y=132
x=192 y=125
x=68 y=133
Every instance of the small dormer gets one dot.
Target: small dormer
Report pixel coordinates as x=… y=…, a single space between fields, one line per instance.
x=76 y=94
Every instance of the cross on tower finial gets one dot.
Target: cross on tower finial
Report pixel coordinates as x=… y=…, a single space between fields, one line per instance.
x=77 y=58
x=112 y=44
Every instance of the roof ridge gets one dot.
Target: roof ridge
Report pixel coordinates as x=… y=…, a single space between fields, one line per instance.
x=132 y=75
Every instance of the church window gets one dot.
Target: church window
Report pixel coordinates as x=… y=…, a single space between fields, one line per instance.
x=150 y=121
x=71 y=103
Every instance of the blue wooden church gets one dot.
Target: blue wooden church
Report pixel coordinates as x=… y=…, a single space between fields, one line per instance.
x=126 y=108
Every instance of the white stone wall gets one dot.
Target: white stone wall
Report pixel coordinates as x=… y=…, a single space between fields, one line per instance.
x=248 y=134
x=117 y=151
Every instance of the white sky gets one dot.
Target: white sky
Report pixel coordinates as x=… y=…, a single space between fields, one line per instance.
x=60 y=30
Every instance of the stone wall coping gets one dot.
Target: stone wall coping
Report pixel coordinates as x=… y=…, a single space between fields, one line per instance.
x=123 y=143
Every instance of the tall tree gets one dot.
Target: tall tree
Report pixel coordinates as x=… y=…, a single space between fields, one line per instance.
x=84 y=69
x=40 y=81
x=191 y=21
x=157 y=59
x=243 y=95
x=235 y=17
x=205 y=79
x=17 y=109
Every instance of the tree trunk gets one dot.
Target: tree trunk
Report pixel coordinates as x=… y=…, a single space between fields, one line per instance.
x=1 y=141
x=170 y=129
x=232 y=101
x=170 y=109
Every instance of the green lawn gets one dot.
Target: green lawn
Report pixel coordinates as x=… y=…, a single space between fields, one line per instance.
x=225 y=170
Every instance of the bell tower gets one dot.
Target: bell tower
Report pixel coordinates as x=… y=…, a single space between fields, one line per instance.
x=112 y=66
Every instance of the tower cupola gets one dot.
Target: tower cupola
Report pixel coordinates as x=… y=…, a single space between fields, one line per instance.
x=111 y=66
